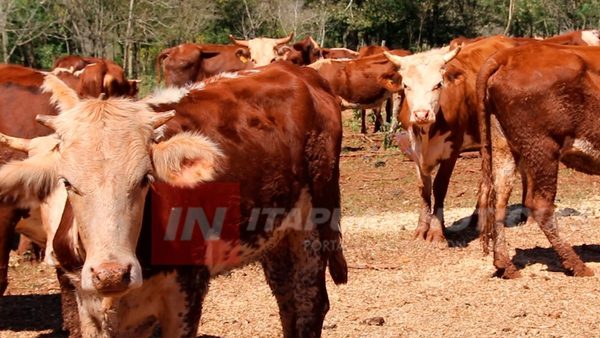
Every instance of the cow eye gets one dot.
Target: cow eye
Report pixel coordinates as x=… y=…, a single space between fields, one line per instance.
x=66 y=183
x=147 y=180
x=405 y=86
x=69 y=186
x=438 y=86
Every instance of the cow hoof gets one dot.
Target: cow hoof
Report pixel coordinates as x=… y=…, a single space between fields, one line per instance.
x=435 y=236
x=583 y=271
x=509 y=272
x=421 y=232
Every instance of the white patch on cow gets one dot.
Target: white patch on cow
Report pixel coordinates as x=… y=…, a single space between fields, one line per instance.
x=166 y=96
x=223 y=256
x=592 y=38
x=175 y=94
x=158 y=301
x=59 y=70
x=586 y=147
x=429 y=152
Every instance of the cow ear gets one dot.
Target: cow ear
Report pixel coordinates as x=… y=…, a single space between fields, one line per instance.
x=30 y=181
x=243 y=54
x=92 y=81
x=207 y=54
x=186 y=160
x=391 y=81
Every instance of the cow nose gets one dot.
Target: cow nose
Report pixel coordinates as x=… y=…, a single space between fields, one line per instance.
x=111 y=277
x=423 y=115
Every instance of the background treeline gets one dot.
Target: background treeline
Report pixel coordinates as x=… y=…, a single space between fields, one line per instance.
x=132 y=32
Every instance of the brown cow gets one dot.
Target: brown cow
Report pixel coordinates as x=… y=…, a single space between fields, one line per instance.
x=263 y=50
x=301 y=53
x=280 y=163
x=21 y=98
x=101 y=76
x=307 y=51
x=363 y=83
x=439 y=113
x=391 y=103
x=546 y=99
x=189 y=62
x=338 y=53
x=371 y=50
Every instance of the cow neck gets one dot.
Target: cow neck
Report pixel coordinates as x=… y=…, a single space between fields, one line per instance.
x=66 y=242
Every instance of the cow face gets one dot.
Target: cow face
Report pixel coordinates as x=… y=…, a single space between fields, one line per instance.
x=107 y=158
x=422 y=81
x=181 y=64
x=263 y=51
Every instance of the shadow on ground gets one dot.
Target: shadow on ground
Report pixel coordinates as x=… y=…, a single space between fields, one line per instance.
x=31 y=313
x=464 y=231
x=549 y=258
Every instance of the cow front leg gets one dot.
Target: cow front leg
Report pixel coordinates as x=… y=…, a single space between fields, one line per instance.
x=295 y=271
x=8 y=219
x=440 y=189
x=363 y=121
x=68 y=304
x=183 y=303
x=424 y=182
x=378 y=119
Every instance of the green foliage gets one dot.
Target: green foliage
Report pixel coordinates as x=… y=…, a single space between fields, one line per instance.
x=133 y=32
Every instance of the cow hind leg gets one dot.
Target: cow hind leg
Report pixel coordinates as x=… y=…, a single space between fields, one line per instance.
x=543 y=212
x=542 y=168
x=295 y=271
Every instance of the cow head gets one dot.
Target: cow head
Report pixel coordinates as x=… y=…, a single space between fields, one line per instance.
x=423 y=79
x=95 y=76
x=106 y=156
x=182 y=64
x=263 y=51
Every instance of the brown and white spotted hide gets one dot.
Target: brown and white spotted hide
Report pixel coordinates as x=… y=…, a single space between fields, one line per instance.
x=440 y=115
x=546 y=99
x=284 y=157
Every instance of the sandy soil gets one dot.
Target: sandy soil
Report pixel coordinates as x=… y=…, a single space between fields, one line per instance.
x=397 y=287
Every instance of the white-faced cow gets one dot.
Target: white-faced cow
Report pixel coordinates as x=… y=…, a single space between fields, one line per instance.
x=439 y=114
x=263 y=50
x=271 y=136
x=22 y=96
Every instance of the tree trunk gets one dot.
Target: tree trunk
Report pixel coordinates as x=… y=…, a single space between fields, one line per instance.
x=128 y=53
x=511 y=5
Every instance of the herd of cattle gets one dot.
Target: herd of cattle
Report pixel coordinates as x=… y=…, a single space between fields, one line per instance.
x=89 y=171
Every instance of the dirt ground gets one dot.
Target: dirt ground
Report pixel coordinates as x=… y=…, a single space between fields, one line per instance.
x=397 y=287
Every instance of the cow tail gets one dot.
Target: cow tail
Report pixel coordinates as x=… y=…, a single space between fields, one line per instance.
x=487 y=193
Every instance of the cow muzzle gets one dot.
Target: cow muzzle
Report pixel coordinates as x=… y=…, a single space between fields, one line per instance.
x=423 y=117
x=112 y=278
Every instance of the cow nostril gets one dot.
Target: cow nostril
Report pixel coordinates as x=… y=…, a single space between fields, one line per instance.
x=127 y=275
